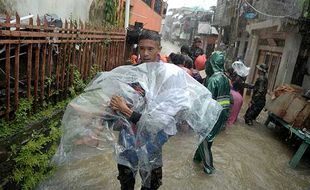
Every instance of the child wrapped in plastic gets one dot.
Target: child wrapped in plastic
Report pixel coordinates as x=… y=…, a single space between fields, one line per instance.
x=164 y=95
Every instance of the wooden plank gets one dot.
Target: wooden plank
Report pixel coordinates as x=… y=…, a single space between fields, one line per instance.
x=35 y=41
x=90 y=59
x=83 y=61
x=101 y=58
x=72 y=59
x=58 y=65
x=108 y=63
x=51 y=29
x=7 y=80
x=36 y=72
x=16 y=67
x=63 y=71
x=29 y=65
x=29 y=70
x=119 y=62
x=73 y=66
x=68 y=67
x=123 y=51
x=80 y=58
x=36 y=68
x=97 y=54
x=49 y=66
x=39 y=34
x=86 y=62
x=114 y=55
x=42 y=83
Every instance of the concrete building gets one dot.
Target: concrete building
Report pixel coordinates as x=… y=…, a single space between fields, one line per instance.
x=271 y=32
x=276 y=40
x=229 y=20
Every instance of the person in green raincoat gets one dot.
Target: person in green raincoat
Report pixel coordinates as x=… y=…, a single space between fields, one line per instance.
x=218 y=84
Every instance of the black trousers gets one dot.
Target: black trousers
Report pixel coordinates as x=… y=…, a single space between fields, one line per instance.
x=126 y=176
x=254 y=110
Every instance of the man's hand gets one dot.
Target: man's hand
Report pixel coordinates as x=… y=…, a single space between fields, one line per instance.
x=119 y=104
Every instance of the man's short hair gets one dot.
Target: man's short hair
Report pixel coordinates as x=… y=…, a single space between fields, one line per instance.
x=150 y=35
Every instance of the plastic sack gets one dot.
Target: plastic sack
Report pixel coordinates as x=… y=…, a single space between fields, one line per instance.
x=163 y=93
x=240 y=68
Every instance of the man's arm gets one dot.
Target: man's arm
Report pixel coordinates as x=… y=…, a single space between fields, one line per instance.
x=119 y=104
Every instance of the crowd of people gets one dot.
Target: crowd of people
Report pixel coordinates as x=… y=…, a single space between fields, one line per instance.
x=225 y=81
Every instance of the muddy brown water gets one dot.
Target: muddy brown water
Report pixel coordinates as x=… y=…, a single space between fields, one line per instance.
x=244 y=157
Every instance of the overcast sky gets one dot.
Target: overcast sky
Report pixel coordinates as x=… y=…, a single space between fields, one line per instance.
x=206 y=4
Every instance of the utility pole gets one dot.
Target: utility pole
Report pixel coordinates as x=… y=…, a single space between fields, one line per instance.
x=127 y=12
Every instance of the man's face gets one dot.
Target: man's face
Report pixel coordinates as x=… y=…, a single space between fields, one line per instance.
x=148 y=50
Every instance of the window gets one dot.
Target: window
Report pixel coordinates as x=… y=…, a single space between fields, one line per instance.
x=148 y=2
x=157 y=7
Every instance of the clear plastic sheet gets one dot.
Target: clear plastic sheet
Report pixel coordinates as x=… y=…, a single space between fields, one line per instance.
x=240 y=68
x=170 y=96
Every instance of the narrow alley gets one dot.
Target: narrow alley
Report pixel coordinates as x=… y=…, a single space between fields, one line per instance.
x=90 y=98
x=245 y=157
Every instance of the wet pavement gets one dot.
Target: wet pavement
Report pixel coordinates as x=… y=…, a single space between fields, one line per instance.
x=244 y=157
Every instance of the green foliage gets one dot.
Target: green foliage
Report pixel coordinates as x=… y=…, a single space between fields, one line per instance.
x=306 y=13
x=24 y=118
x=21 y=119
x=24 y=108
x=93 y=71
x=110 y=11
x=31 y=156
x=32 y=162
x=78 y=83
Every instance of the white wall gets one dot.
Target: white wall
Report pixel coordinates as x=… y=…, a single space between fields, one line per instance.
x=289 y=58
x=243 y=40
x=251 y=57
x=63 y=8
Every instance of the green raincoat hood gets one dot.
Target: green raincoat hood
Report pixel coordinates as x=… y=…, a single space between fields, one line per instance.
x=215 y=63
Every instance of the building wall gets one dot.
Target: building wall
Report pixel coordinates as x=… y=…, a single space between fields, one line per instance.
x=306 y=82
x=221 y=18
x=251 y=56
x=293 y=8
x=141 y=12
x=289 y=58
x=242 y=47
x=79 y=9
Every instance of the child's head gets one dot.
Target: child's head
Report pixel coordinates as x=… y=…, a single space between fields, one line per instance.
x=185 y=50
x=178 y=59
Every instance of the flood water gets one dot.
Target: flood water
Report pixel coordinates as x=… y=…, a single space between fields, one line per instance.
x=245 y=158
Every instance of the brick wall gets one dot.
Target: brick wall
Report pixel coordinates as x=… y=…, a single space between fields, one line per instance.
x=141 y=12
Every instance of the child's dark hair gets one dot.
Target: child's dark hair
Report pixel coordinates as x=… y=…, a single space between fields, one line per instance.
x=150 y=35
x=188 y=62
x=171 y=57
x=185 y=49
x=178 y=59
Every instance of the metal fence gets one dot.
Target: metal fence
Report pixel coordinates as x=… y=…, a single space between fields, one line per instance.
x=38 y=61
